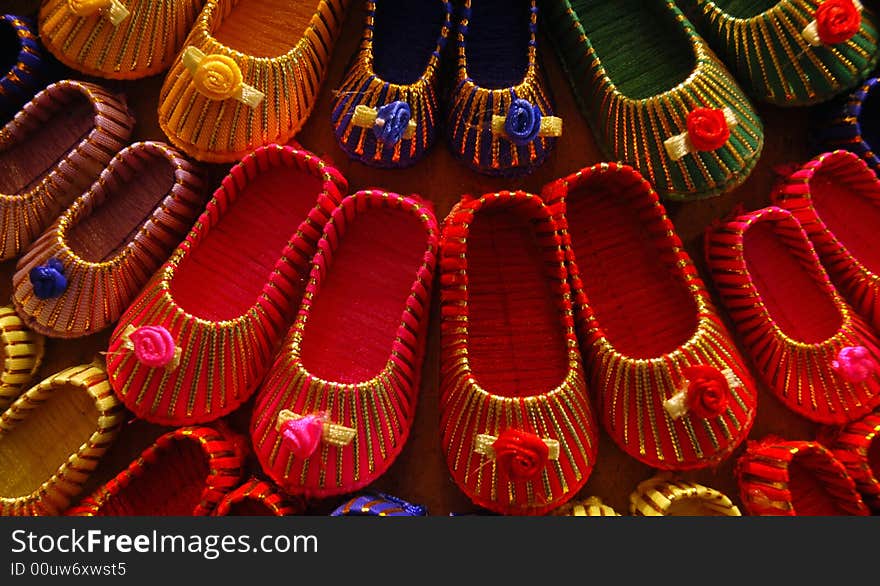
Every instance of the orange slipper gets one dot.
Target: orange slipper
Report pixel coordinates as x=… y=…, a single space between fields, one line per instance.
x=52 y=438
x=248 y=76
x=51 y=152
x=22 y=354
x=186 y=472
x=85 y=270
x=117 y=39
x=256 y=498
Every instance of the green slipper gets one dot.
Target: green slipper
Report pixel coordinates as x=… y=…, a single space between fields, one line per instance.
x=655 y=95
x=794 y=52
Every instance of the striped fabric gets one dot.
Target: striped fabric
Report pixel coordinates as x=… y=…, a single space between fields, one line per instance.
x=795 y=478
x=143 y=44
x=28 y=211
x=840 y=125
x=258 y=497
x=223 y=360
x=664 y=497
x=799 y=372
x=773 y=61
x=22 y=351
x=99 y=290
x=377 y=504
x=856 y=281
x=380 y=409
x=634 y=130
x=856 y=447
x=121 y=497
x=56 y=493
x=28 y=74
x=227 y=130
x=362 y=86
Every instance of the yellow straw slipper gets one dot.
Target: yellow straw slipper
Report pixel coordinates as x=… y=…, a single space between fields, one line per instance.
x=662 y=496
x=52 y=438
x=22 y=354
x=589 y=507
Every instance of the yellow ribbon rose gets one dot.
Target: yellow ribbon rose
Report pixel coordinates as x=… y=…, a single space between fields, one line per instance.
x=217 y=77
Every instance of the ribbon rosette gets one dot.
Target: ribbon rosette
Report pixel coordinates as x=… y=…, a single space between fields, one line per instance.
x=218 y=77
x=48 y=279
x=302 y=433
x=524 y=122
x=708 y=129
x=854 y=363
x=153 y=346
x=390 y=123
x=114 y=10
x=835 y=21
x=706 y=394
x=520 y=455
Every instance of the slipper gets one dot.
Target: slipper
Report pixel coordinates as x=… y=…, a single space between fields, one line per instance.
x=662 y=496
x=22 y=351
x=810 y=348
x=196 y=342
x=590 y=507
x=84 y=271
x=385 y=112
x=790 y=52
x=22 y=69
x=501 y=118
x=378 y=504
x=51 y=152
x=256 y=498
x=673 y=390
x=517 y=427
x=116 y=39
x=338 y=403
x=249 y=75
x=851 y=122
x=796 y=479
x=836 y=199
x=52 y=438
x=185 y=472
x=678 y=117
x=857 y=447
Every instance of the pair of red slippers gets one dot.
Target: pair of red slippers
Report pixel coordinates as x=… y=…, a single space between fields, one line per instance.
x=528 y=285
x=800 y=281
x=287 y=289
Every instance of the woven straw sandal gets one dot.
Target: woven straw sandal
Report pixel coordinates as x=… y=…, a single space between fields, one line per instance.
x=248 y=75
x=851 y=122
x=84 y=271
x=795 y=478
x=185 y=472
x=673 y=390
x=51 y=152
x=256 y=498
x=385 y=112
x=52 y=438
x=836 y=199
x=517 y=427
x=199 y=338
x=378 y=504
x=116 y=39
x=338 y=403
x=590 y=507
x=811 y=349
x=791 y=52
x=678 y=117
x=22 y=351
x=663 y=496
x=501 y=118
x=22 y=68
x=857 y=447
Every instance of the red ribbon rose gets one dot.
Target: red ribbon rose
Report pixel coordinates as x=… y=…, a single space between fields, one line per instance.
x=707 y=391
x=520 y=455
x=837 y=21
x=707 y=128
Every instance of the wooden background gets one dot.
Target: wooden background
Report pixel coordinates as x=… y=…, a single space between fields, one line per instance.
x=420 y=473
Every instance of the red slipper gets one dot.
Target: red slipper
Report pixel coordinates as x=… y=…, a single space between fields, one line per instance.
x=836 y=198
x=339 y=402
x=85 y=270
x=812 y=350
x=186 y=472
x=857 y=446
x=673 y=390
x=796 y=479
x=51 y=152
x=517 y=427
x=198 y=339
x=256 y=498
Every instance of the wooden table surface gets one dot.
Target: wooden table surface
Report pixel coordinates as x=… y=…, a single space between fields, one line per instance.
x=420 y=473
